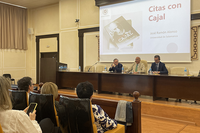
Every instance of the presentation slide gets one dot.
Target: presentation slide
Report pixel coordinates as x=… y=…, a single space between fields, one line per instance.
x=145 y=28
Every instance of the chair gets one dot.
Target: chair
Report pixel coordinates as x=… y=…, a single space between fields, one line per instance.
x=100 y=68
x=168 y=69
x=125 y=68
x=45 y=107
x=178 y=71
x=19 y=99
x=92 y=69
x=1 y=130
x=14 y=87
x=77 y=116
x=145 y=64
x=9 y=76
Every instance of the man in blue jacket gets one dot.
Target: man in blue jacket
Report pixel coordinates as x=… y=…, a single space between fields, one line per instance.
x=116 y=66
x=158 y=67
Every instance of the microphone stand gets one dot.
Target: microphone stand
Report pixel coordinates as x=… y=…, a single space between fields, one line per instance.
x=92 y=66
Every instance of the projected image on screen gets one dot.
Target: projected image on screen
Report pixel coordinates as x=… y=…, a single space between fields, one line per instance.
x=145 y=28
x=121 y=33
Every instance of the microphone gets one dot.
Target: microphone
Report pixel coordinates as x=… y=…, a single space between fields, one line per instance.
x=92 y=66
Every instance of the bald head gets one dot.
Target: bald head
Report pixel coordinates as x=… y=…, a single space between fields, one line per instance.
x=137 y=60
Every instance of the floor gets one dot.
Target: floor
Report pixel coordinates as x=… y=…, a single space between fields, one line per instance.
x=154 y=124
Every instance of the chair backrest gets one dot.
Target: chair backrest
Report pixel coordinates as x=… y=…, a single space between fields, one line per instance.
x=45 y=107
x=178 y=70
x=168 y=69
x=125 y=67
x=92 y=69
x=145 y=64
x=75 y=115
x=14 y=87
x=1 y=130
x=19 y=99
x=7 y=76
x=100 y=68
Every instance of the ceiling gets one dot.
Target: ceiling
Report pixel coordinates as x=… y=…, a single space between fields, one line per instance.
x=31 y=3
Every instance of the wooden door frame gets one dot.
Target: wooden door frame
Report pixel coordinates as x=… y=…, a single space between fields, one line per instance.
x=81 y=48
x=38 y=51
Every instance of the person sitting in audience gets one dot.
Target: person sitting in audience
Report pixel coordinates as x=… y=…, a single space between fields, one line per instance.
x=26 y=84
x=137 y=66
x=14 y=121
x=116 y=66
x=51 y=88
x=102 y=120
x=158 y=66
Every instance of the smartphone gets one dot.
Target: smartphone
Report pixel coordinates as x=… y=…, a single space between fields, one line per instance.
x=31 y=108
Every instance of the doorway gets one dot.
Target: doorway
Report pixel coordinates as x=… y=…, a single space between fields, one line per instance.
x=46 y=62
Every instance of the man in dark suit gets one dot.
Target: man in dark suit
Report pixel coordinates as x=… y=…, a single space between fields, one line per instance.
x=116 y=66
x=158 y=67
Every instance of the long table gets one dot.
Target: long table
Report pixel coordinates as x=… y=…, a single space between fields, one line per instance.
x=167 y=86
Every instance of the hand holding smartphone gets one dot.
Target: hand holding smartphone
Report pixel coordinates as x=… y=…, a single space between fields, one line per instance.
x=31 y=108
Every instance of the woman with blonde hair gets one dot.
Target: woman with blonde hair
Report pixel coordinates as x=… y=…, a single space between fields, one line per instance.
x=15 y=121
x=51 y=88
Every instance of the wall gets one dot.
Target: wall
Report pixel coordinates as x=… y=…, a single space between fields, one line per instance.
x=69 y=10
x=13 y=62
x=44 y=20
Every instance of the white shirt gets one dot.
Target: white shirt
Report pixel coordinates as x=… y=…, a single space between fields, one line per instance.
x=14 y=121
x=157 y=66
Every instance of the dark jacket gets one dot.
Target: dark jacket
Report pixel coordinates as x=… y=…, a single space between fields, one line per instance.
x=162 y=68
x=117 y=68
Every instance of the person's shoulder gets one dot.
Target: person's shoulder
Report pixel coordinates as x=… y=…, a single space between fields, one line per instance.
x=162 y=63
x=96 y=107
x=120 y=64
x=141 y=63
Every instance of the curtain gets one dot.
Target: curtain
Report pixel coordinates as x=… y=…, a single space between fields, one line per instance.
x=13 y=27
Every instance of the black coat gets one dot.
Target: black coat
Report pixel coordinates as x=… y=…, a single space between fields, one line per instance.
x=162 y=68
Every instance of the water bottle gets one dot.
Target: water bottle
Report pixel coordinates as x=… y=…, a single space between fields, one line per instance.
x=185 y=72
x=65 y=68
x=105 y=69
x=122 y=69
x=79 y=68
x=150 y=72
x=61 y=68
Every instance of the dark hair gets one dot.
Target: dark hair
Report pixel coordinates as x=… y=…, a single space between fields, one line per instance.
x=115 y=59
x=157 y=56
x=84 y=90
x=23 y=83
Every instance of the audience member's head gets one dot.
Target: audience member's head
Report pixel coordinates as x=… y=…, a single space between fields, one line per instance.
x=5 y=102
x=157 y=58
x=26 y=84
x=50 y=88
x=84 y=90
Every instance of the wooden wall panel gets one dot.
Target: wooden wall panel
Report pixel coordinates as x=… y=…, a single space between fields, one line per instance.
x=69 y=49
x=68 y=14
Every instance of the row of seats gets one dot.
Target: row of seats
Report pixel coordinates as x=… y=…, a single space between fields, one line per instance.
x=70 y=112
x=172 y=70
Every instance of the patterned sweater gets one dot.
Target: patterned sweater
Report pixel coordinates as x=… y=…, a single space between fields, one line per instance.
x=102 y=120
